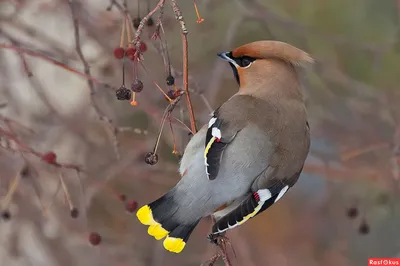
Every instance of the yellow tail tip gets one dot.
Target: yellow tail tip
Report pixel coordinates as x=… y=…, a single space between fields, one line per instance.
x=145 y=215
x=174 y=244
x=157 y=231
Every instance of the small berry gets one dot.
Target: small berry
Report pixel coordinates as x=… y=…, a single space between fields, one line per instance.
x=173 y=94
x=364 y=228
x=170 y=80
x=143 y=47
x=49 y=157
x=130 y=53
x=352 y=212
x=119 y=52
x=136 y=22
x=123 y=93
x=150 y=22
x=122 y=197
x=94 y=238
x=74 y=213
x=6 y=215
x=25 y=172
x=137 y=85
x=131 y=206
x=170 y=94
x=151 y=158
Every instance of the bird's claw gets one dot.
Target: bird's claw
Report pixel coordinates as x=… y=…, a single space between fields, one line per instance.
x=213 y=238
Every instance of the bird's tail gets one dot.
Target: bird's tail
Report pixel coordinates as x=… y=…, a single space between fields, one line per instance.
x=159 y=216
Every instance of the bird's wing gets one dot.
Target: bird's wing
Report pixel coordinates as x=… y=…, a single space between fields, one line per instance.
x=221 y=132
x=267 y=188
x=261 y=198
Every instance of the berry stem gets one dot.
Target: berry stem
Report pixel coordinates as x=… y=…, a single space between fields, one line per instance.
x=155 y=83
x=123 y=71
x=164 y=117
x=164 y=46
x=122 y=38
x=128 y=31
x=37 y=194
x=66 y=192
x=11 y=190
x=173 y=135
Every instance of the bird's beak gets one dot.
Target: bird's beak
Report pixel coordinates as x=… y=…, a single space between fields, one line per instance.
x=224 y=56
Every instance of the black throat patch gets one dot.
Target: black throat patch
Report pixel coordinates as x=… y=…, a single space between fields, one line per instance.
x=235 y=73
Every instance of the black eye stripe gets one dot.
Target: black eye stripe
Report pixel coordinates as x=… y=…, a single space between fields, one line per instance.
x=242 y=61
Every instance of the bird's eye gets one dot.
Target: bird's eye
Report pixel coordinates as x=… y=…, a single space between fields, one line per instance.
x=245 y=61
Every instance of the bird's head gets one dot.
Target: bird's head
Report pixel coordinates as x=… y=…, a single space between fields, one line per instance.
x=258 y=62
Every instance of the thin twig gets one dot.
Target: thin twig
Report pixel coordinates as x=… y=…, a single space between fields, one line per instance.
x=184 y=32
x=53 y=61
x=27 y=149
x=112 y=131
x=144 y=20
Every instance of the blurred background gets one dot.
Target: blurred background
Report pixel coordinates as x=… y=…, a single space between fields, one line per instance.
x=343 y=210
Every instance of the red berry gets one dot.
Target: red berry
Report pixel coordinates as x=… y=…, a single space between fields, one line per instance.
x=131 y=206
x=74 y=213
x=49 y=157
x=94 y=238
x=143 y=47
x=119 y=52
x=364 y=228
x=352 y=212
x=122 y=197
x=130 y=53
x=6 y=215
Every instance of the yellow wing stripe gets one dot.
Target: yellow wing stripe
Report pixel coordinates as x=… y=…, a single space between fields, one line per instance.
x=208 y=147
x=174 y=244
x=247 y=217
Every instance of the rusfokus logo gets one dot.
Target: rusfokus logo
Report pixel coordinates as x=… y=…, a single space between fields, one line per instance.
x=383 y=261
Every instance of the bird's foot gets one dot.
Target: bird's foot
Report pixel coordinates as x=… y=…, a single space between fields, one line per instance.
x=217 y=239
x=221 y=241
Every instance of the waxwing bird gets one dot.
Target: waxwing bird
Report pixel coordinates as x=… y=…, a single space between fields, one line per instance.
x=248 y=155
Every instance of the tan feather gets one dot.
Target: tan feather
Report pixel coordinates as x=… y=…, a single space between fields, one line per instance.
x=274 y=49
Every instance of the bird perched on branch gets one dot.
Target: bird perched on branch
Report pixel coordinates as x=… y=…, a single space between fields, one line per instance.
x=248 y=155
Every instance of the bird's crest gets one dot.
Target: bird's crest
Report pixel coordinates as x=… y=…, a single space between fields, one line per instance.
x=274 y=49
